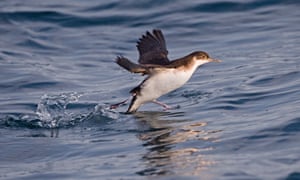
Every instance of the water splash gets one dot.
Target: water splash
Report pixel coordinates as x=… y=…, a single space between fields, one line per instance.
x=60 y=111
x=52 y=109
x=106 y=111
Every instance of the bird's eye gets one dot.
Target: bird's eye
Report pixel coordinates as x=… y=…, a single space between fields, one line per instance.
x=201 y=57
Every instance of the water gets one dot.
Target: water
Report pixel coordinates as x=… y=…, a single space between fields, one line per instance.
x=238 y=119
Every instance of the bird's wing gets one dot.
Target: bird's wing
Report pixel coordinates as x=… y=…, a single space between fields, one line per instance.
x=152 y=48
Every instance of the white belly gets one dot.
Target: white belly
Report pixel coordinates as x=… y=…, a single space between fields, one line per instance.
x=161 y=83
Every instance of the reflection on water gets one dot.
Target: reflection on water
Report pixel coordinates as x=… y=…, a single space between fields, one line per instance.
x=166 y=143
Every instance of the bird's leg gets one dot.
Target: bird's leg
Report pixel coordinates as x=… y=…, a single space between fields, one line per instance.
x=166 y=107
x=115 y=106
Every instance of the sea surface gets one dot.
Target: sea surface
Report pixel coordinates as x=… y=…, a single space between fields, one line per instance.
x=238 y=119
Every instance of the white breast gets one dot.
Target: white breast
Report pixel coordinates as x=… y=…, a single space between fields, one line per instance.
x=161 y=83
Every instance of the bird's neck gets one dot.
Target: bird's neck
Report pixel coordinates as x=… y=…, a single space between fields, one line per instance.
x=182 y=63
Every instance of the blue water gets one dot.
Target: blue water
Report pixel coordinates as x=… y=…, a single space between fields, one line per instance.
x=239 y=119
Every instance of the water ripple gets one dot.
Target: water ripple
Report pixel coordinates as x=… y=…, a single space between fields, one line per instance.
x=238 y=119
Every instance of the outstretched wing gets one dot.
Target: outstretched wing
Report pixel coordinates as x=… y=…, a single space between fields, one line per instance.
x=152 y=48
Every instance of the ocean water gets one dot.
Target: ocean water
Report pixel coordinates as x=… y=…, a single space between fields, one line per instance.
x=239 y=119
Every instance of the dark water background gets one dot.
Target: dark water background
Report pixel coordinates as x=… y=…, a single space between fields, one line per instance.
x=239 y=119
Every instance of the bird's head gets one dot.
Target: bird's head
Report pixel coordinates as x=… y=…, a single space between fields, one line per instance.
x=201 y=57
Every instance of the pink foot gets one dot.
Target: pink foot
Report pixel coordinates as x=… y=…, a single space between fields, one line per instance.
x=165 y=106
x=115 y=106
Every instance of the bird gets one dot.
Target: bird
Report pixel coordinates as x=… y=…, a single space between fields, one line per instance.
x=162 y=74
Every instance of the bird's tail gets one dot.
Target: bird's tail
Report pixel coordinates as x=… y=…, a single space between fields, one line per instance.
x=130 y=66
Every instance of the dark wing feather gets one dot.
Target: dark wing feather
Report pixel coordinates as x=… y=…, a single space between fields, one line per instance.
x=152 y=48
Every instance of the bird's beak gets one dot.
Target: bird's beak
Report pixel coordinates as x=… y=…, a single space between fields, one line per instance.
x=214 y=60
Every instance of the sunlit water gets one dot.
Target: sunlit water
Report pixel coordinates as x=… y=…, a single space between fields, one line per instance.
x=239 y=119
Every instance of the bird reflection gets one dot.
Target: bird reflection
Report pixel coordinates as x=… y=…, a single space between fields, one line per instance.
x=175 y=145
